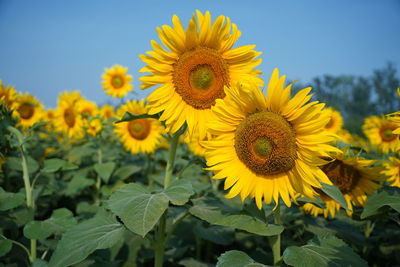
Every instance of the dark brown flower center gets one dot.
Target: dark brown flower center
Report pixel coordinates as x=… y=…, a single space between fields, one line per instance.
x=69 y=117
x=139 y=129
x=344 y=176
x=26 y=111
x=199 y=77
x=265 y=142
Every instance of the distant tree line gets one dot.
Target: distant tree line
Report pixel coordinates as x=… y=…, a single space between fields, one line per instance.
x=357 y=97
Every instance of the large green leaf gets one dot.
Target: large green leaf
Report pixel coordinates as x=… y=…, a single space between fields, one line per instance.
x=61 y=220
x=15 y=164
x=377 y=202
x=335 y=194
x=326 y=250
x=77 y=184
x=179 y=192
x=53 y=165
x=10 y=200
x=104 y=170
x=236 y=258
x=130 y=117
x=138 y=208
x=124 y=172
x=212 y=210
x=5 y=246
x=100 y=232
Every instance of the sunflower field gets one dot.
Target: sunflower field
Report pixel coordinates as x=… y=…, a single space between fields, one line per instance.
x=216 y=167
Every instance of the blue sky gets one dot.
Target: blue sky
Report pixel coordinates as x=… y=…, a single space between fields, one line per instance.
x=48 y=47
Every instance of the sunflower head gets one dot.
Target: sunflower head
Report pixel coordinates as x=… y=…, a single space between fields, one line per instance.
x=28 y=110
x=193 y=69
x=140 y=135
x=335 y=123
x=116 y=82
x=381 y=133
x=268 y=147
x=392 y=171
x=87 y=108
x=107 y=112
x=94 y=126
x=8 y=96
x=68 y=119
x=355 y=177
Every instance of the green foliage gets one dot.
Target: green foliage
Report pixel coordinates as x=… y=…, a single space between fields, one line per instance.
x=130 y=117
x=326 y=250
x=54 y=165
x=377 y=203
x=100 y=232
x=104 y=170
x=235 y=258
x=335 y=194
x=10 y=200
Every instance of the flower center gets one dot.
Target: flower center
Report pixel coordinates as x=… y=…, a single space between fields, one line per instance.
x=345 y=177
x=139 y=129
x=330 y=123
x=117 y=82
x=199 y=77
x=265 y=142
x=26 y=111
x=387 y=134
x=69 y=117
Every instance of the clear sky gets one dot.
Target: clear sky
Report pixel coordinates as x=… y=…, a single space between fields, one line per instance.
x=47 y=47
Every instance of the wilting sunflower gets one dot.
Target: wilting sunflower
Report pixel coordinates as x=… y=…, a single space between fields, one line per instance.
x=28 y=110
x=141 y=135
x=335 y=124
x=107 y=111
x=194 y=69
x=116 y=81
x=8 y=95
x=67 y=116
x=380 y=133
x=392 y=170
x=354 y=177
x=94 y=126
x=268 y=147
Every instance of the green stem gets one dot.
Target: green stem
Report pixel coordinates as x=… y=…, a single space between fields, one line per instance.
x=18 y=244
x=161 y=238
x=148 y=171
x=369 y=227
x=275 y=241
x=100 y=161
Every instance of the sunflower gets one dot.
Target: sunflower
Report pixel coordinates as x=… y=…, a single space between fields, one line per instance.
x=67 y=116
x=87 y=108
x=268 y=147
x=392 y=170
x=94 y=126
x=194 y=69
x=140 y=135
x=380 y=133
x=335 y=124
x=107 y=111
x=194 y=144
x=28 y=110
x=8 y=95
x=116 y=81
x=395 y=117
x=355 y=179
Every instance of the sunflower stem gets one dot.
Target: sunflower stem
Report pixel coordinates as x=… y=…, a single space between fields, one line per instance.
x=161 y=236
x=275 y=241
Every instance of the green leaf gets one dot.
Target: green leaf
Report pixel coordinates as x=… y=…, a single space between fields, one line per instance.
x=77 y=184
x=377 y=202
x=61 y=220
x=217 y=234
x=39 y=263
x=104 y=170
x=130 y=117
x=190 y=262
x=317 y=202
x=234 y=258
x=5 y=246
x=126 y=171
x=53 y=165
x=100 y=232
x=10 y=200
x=335 y=194
x=15 y=164
x=212 y=210
x=137 y=208
x=179 y=192
x=326 y=250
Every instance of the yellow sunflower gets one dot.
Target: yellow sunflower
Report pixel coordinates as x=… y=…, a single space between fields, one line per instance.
x=355 y=179
x=87 y=108
x=381 y=134
x=194 y=69
x=141 y=135
x=335 y=124
x=392 y=170
x=67 y=116
x=8 y=95
x=116 y=81
x=395 y=117
x=107 y=112
x=28 y=110
x=268 y=147
x=94 y=126
x=194 y=144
